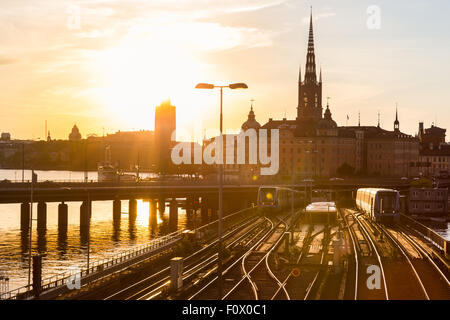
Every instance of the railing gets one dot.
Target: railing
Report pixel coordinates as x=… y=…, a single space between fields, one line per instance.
x=104 y=264
x=436 y=239
x=53 y=181
x=96 y=266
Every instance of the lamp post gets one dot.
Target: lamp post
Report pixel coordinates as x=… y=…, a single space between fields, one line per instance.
x=219 y=260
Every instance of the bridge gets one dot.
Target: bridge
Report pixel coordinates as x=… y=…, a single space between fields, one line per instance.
x=249 y=238
x=201 y=193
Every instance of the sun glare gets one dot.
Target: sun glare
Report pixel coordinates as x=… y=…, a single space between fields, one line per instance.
x=143 y=214
x=141 y=73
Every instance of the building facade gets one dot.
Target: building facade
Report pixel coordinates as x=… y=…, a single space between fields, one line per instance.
x=75 y=134
x=313 y=145
x=165 y=126
x=428 y=201
x=434 y=154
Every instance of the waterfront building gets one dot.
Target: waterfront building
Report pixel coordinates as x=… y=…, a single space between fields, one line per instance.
x=165 y=126
x=428 y=201
x=75 y=134
x=313 y=145
x=6 y=136
x=434 y=154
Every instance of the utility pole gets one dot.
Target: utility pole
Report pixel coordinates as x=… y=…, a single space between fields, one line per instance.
x=89 y=209
x=219 y=262
x=138 y=164
x=33 y=180
x=292 y=195
x=211 y=86
x=85 y=161
x=23 y=162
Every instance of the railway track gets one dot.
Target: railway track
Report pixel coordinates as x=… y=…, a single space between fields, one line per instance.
x=257 y=279
x=366 y=256
x=407 y=270
x=318 y=255
x=356 y=250
x=240 y=280
x=309 y=262
x=157 y=283
x=431 y=279
x=400 y=273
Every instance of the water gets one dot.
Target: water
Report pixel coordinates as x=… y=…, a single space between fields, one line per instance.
x=76 y=176
x=442 y=228
x=63 y=252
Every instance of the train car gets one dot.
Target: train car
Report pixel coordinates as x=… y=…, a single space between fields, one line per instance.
x=321 y=212
x=276 y=199
x=381 y=205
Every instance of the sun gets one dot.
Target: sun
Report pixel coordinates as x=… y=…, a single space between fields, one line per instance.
x=140 y=73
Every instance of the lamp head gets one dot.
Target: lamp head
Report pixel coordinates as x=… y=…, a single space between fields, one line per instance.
x=239 y=85
x=204 y=86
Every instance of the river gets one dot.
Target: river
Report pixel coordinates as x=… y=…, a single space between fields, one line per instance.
x=63 y=252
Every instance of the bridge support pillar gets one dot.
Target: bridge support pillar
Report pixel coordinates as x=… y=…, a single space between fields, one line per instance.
x=161 y=206
x=25 y=216
x=117 y=209
x=62 y=216
x=173 y=215
x=42 y=215
x=85 y=214
x=132 y=210
x=153 y=217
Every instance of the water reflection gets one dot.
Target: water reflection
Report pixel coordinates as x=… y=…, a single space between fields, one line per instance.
x=62 y=244
x=84 y=236
x=24 y=241
x=42 y=241
x=132 y=228
x=116 y=230
x=66 y=248
x=441 y=227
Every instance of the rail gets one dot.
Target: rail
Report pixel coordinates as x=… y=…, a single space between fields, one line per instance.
x=226 y=218
x=96 y=266
x=104 y=264
x=436 y=239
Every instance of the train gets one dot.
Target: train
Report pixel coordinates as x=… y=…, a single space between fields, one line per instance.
x=381 y=205
x=272 y=199
x=321 y=212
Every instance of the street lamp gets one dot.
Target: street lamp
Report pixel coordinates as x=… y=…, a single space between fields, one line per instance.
x=239 y=85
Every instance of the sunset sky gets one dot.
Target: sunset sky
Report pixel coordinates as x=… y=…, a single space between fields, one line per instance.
x=109 y=66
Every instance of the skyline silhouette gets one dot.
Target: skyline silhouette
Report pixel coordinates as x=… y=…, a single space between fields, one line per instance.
x=109 y=65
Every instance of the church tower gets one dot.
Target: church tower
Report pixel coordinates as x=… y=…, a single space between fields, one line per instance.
x=310 y=90
x=396 y=122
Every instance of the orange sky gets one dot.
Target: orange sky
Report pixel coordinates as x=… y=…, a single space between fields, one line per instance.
x=107 y=64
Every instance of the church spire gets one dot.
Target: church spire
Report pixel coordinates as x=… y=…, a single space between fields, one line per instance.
x=309 y=90
x=396 y=122
x=310 y=75
x=300 y=75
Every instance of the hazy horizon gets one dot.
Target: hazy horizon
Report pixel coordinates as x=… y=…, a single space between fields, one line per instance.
x=109 y=66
